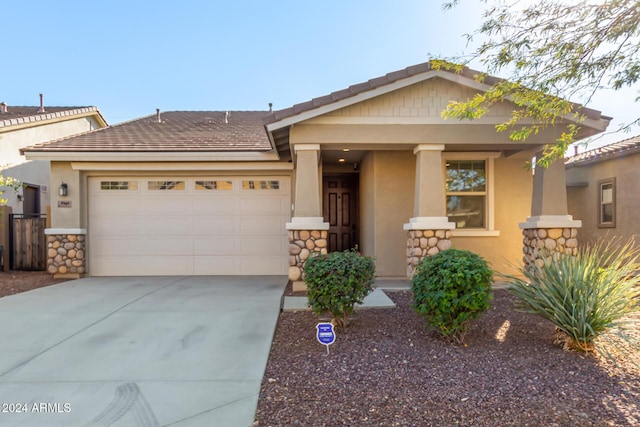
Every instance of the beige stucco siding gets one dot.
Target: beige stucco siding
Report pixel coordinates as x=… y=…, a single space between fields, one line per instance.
x=386 y=195
x=425 y=99
x=394 y=184
x=67 y=216
x=583 y=201
x=513 y=185
x=35 y=172
x=367 y=205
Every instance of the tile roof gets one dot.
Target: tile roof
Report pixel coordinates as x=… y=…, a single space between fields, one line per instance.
x=177 y=131
x=387 y=79
x=21 y=115
x=617 y=149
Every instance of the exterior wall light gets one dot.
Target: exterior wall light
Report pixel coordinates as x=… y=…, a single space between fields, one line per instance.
x=63 y=189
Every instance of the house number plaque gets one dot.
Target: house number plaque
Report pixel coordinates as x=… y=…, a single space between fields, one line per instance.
x=64 y=203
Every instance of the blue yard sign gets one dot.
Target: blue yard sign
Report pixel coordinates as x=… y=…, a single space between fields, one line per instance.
x=325 y=334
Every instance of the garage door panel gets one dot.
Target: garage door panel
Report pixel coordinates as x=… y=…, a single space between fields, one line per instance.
x=161 y=226
x=260 y=246
x=214 y=205
x=225 y=265
x=115 y=206
x=195 y=230
x=142 y=266
x=264 y=205
x=261 y=226
x=215 y=246
x=165 y=205
x=219 y=226
x=267 y=264
x=136 y=246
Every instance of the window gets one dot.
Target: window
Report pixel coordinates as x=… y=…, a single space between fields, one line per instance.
x=119 y=185
x=214 y=185
x=260 y=185
x=466 y=190
x=166 y=185
x=607 y=203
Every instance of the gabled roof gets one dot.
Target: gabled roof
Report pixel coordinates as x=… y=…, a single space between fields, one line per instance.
x=175 y=131
x=418 y=72
x=278 y=123
x=622 y=148
x=24 y=116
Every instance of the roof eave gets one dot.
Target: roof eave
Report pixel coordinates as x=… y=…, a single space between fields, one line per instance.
x=165 y=156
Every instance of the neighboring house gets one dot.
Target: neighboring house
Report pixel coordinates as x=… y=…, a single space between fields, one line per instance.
x=24 y=126
x=602 y=187
x=373 y=165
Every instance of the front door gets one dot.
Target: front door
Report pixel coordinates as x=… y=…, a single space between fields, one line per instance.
x=340 y=210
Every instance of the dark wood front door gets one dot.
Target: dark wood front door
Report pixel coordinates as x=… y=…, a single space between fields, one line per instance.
x=340 y=210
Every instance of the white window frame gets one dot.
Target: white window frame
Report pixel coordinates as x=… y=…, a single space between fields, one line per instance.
x=488 y=157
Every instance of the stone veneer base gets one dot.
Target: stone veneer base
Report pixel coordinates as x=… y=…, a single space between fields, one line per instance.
x=538 y=243
x=66 y=255
x=302 y=244
x=422 y=243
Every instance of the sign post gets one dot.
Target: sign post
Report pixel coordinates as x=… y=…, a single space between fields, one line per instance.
x=325 y=334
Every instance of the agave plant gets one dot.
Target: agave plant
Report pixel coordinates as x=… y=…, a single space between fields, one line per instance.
x=594 y=294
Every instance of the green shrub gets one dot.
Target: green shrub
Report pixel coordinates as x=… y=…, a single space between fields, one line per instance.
x=585 y=296
x=451 y=289
x=338 y=281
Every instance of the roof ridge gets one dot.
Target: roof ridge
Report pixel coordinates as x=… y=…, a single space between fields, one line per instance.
x=46 y=116
x=630 y=145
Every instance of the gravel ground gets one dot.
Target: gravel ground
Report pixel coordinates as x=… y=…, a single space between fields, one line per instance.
x=387 y=369
x=14 y=282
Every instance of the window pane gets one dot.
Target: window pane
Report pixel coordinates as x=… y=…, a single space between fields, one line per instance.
x=466 y=211
x=607 y=193
x=119 y=185
x=466 y=175
x=607 y=213
x=166 y=185
x=260 y=185
x=214 y=185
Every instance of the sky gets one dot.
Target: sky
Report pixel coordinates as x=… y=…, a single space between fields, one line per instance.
x=129 y=57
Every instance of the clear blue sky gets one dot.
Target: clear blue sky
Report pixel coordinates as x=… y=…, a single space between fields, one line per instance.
x=129 y=57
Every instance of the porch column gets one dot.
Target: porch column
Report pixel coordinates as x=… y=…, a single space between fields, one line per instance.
x=550 y=228
x=307 y=229
x=429 y=231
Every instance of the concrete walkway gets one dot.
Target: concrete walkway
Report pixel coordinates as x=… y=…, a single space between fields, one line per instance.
x=163 y=351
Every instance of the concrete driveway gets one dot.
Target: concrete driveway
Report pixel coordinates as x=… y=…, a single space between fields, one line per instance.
x=142 y=351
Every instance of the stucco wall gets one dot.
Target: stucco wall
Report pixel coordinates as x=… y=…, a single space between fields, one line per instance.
x=367 y=205
x=513 y=185
x=386 y=203
x=71 y=216
x=393 y=195
x=424 y=99
x=583 y=201
x=35 y=172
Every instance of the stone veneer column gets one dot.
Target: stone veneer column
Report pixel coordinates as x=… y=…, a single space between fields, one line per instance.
x=307 y=229
x=423 y=243
x=549 y=229
x=66 y=254
x=540 y=243
x=429 y=231
x=302 y=245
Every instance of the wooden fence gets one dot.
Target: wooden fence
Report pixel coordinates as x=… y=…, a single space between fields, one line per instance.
x=28 y=242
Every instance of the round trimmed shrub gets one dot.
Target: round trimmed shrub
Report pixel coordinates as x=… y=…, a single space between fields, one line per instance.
x=338 y=281
x=451 y=289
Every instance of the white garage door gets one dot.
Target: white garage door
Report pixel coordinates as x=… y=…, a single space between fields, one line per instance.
x=186 y=225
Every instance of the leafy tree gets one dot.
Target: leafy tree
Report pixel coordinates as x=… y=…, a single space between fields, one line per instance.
x=7 y=182
x=552 y=51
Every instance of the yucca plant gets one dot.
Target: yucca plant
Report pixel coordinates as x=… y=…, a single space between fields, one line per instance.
x=591 y=297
